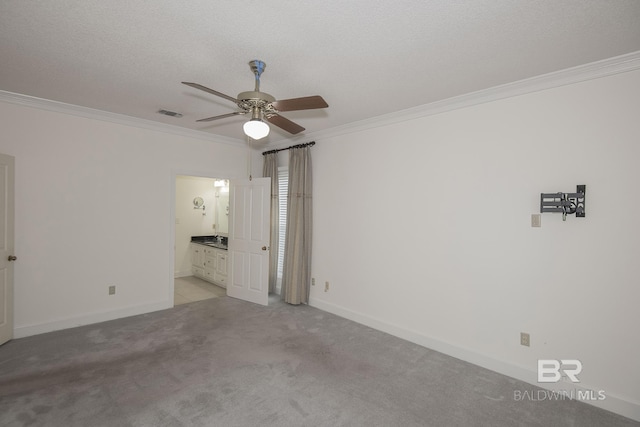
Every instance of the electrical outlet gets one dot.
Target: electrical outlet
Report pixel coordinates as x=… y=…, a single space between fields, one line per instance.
x=536 y=220
x=313 y=281
x=326 y=286
x=525 y=339
x=112 y=290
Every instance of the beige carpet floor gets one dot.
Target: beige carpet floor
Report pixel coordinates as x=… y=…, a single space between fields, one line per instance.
x=226 y=362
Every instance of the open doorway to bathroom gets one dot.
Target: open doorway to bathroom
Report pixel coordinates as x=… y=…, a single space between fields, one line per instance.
x=201 y=231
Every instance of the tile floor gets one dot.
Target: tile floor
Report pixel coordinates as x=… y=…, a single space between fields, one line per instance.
x=190 y=289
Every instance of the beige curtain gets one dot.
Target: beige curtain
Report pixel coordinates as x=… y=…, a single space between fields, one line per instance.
x=270 y=169
x=297 y=251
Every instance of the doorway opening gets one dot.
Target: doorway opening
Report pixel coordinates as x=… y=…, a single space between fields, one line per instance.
x=201 y=231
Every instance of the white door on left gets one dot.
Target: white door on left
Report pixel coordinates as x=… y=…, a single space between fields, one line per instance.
x=6 y=247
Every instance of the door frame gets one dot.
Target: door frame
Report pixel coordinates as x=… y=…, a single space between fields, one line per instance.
x=172 y=216
x=8 y=251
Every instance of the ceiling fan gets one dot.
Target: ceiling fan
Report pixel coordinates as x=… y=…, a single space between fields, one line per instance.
x=261 y=105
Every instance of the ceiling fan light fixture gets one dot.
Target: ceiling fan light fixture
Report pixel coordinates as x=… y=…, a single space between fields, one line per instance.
x=261 y=105
x=256 y=129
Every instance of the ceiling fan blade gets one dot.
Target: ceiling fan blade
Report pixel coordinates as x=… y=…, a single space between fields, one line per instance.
x=222 y=116
x=211 y=91
x=285 y=124
x=305 y=103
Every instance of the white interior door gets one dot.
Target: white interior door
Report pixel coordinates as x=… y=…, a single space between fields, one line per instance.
x=6 y=247
x=249 y=205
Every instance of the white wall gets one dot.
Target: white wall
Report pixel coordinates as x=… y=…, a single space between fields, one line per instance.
x=94 y=203
x=423 y=229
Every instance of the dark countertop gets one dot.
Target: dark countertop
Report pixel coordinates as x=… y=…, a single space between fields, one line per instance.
x=211 y=241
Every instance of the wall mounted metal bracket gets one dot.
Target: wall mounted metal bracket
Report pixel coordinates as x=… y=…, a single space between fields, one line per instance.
x=566 y=203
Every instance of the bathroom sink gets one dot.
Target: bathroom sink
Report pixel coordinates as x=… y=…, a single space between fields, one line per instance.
x=210 y=241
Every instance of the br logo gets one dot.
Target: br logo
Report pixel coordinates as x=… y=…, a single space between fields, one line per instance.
x=550 y=370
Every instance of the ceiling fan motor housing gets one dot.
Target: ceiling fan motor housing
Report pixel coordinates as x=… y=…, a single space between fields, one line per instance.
x=251 y=100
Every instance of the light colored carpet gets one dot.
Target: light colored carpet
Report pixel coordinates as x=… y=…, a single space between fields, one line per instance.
x=225 y=362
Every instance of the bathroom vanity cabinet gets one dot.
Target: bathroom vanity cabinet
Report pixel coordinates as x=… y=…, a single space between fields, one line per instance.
x=209 y=263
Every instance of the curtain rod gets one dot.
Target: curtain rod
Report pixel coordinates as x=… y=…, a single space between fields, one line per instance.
x=308 y=144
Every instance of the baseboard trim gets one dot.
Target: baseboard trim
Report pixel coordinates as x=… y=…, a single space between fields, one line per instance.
x=72 y=322
x=611 y=403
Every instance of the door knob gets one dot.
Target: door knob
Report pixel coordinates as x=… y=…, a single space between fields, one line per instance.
x=264 y=248
x=12 y=258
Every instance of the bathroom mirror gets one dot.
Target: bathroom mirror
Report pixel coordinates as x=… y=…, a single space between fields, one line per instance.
x=198 y=202
x=222 y=207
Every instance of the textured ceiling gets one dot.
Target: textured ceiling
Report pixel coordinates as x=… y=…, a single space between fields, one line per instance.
x=366 y=58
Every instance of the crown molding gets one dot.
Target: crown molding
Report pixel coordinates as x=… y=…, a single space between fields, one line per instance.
x=90 y=113
x=595 y=70
x=581 y=73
